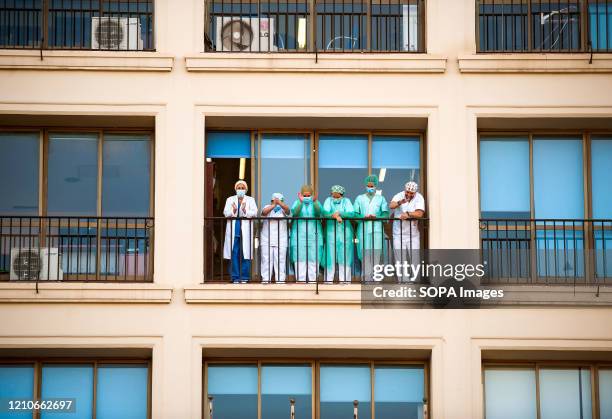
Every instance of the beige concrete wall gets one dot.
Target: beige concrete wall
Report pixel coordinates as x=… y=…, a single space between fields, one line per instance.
x=449 y=92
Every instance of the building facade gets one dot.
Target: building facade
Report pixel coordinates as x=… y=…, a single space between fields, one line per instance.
x=124 y=125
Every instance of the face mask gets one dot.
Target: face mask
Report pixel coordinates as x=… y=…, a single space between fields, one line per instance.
x=308 y=199
x=371 y=190
x=241 y=193
x=277 y=208
x=337 y=200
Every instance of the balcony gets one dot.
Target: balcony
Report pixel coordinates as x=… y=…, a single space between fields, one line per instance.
x=320 y=27
x=99 y=25
x=77 y=249
x=542 y=26
x=310 y=250
x=547 y=251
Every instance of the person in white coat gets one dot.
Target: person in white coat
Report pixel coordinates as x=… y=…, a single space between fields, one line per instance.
x=407 y=206
x=273 y=239
x=238 y=245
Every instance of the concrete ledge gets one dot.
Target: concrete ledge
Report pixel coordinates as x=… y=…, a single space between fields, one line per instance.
x=303 y=294
x=273 y=294
x=85 y=60
x=535 y=63
x=326 y=63
x=79 y=292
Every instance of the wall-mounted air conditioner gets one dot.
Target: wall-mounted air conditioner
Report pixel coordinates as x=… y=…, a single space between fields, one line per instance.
x=36 y=264
x=236 y=33
x=116 y=33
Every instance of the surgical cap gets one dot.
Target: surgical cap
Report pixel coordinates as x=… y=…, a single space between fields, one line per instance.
x=307 y=188
x=278 y=195
x=241 y=182
x=371 y=178
x=339 y=189
x=411 y=187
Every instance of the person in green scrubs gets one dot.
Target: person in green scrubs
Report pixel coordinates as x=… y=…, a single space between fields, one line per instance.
x=339 y=236
x=306 y=236
x=370 y=235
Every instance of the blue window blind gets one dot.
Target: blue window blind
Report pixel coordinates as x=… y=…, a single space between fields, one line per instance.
x=285 y=164
x=343 y=160
x=340 y=385
x=399 y=392
x=601 y=174
x=396 y=160
x=504 y=177
x=122 y=391
x=279 y=383
x=600 y=24
x=558 y=177
x=16 y=382
x=565 y=393
x=510 y=394
x=234 y=388
x=72 y=184
x=68 y=382
x=19 y=161
x=228 y=144
x=126 y=175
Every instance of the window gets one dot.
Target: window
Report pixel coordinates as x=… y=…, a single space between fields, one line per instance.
x=19 y=162
x=543 y=25
x=343 y=160
x=232 y=389
x=396 y=160
x=81 y=25
x=329 y=26
x=119 y=389
x=545 y=391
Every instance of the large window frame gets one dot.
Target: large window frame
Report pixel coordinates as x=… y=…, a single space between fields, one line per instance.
x=537 y=366
x=316 y=385
x=95 y=363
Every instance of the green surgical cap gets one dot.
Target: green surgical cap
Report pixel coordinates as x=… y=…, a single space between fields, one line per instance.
x=371 y=178
x=338 y=188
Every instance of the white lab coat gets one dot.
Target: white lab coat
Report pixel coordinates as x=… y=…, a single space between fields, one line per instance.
x=406 y=233
x=250 y=210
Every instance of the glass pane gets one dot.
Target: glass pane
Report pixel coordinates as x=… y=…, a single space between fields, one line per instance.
x=68 y=382
x=565 y=394
x=122 y=392
x=510 y=394
x=72 y=183
x=399 y=392
x=605 y=394
x=503 y=196
x=557 y=177
x=343 y=160
x=600 y=24
x=396 y=160
x=126 y=175
x=341 y=25
x=234 y=388
x=340 y=386
x=228 y=144
x=285 y=165
x=19 y=161
x=503 y=26
x=21 y=25
x=601 y=173
x=279 y=384
x=16 y=382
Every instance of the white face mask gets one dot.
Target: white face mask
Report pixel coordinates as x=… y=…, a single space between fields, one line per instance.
x=241 y=193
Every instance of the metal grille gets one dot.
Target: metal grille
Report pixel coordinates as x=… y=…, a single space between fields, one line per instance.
x=544 y=25
x=315 y=25
x=122 y=25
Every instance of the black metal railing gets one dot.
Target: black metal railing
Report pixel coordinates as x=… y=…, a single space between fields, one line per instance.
x=108 y=25
x=544 y=25
x=315 y=26
x=76 y=248
x=307 y=250
x=547 y=251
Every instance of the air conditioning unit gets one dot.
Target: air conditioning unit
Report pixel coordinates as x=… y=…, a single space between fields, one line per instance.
x=236 y=33
x=410 y=28
x=36 y=264
x=116 y=33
